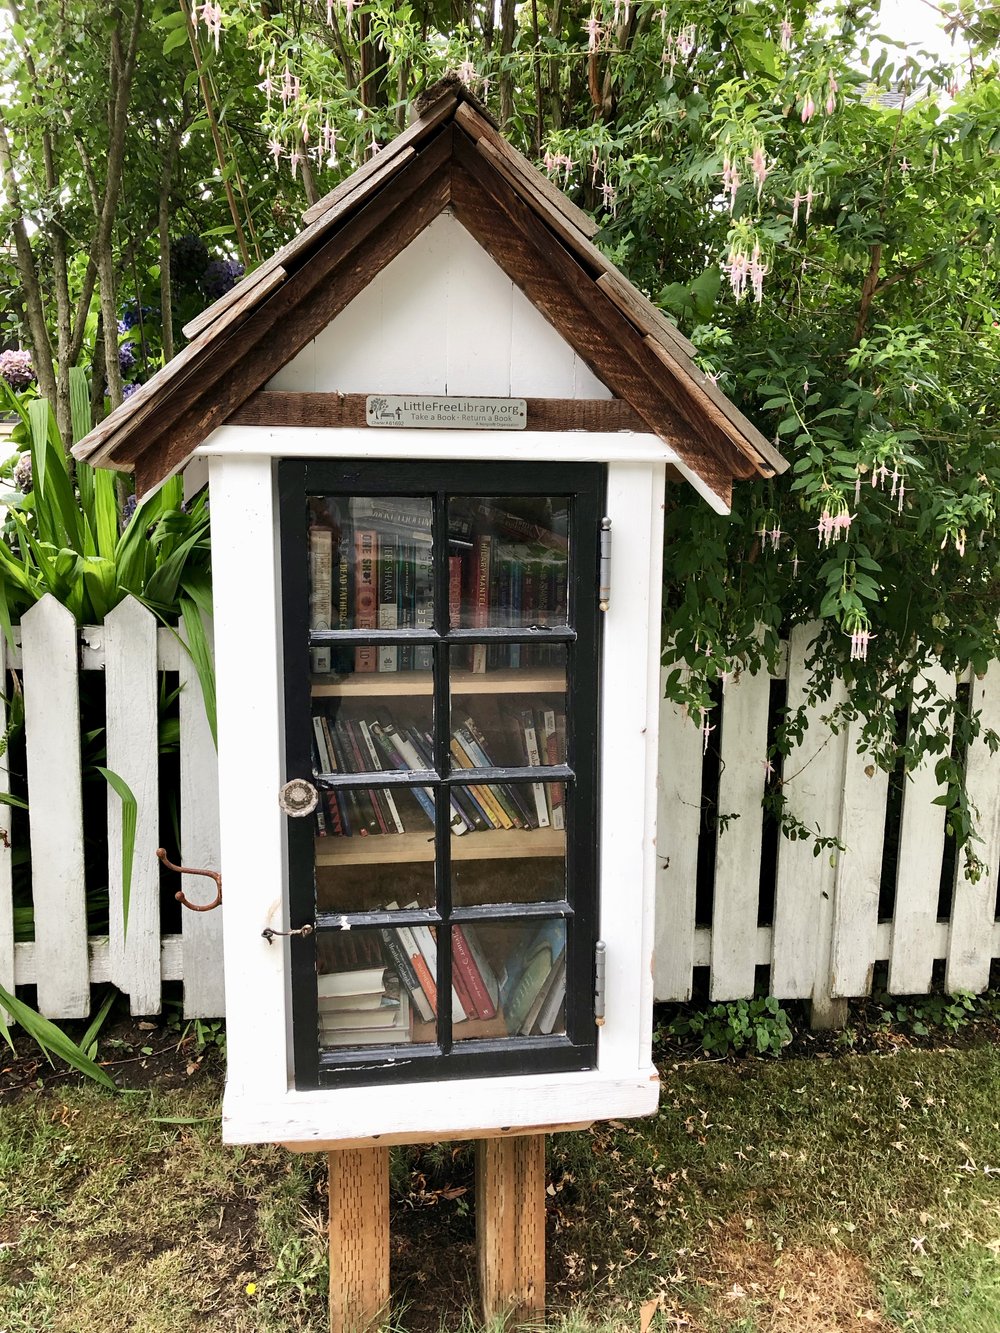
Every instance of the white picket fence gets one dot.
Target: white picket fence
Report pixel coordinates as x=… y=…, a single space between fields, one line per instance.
x=824 y=936
x=131 y=649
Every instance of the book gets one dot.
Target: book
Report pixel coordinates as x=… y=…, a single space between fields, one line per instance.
x=392 y=811
x=388 y=605
x=555 y=998
x=340 y=798
x=472 y=967
x=424 y=746
x=387 y=1026
x=365 y=597
x=405 y=599
x=508 y=794
x=320 y=591
x=426 y=942
x=349 y=752
x=506 y=524
x=533 y=756
x=408 y=516
x=491 y=807
x=423 y=605
x=357 y=981
x=412 y=760
x=393 y=940
x=480 y=597
x=528 y=970
x=548 y=744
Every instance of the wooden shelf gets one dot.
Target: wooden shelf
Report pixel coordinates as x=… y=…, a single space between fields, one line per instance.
x=383 y=684
x=484 y=845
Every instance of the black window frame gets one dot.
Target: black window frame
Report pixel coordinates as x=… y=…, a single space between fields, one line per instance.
x=584 y=484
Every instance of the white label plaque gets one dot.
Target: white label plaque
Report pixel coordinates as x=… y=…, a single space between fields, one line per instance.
x=427 y=411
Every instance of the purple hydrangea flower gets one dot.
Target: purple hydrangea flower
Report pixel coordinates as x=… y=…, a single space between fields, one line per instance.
x=21 y=475
x=133 y=314
x=16 y=369
x=220 y=277
x=126 y=357
x=128 y=508
x=129 y=389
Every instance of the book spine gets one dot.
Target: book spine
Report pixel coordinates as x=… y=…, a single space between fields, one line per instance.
x=405 y=598
x=510 y=525
x=556 y=790
x=365 y=597
x=425 y=752
x=407 y=757
x=427 y=945
x=367 y=798
x=320 y=591
x=386 y=795
x=359 y=816
x=511 y=794
x=423 y=608
x=481 y=597
x=534 y=760
x=516 y=613
x=339 y=798
x=500 y=793
x=388 y=605
x=465 y=967
x=425 y=975
x=491 y=807
x=406 y=972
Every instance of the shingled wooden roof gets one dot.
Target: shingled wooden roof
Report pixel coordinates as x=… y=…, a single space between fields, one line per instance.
x=450 y=156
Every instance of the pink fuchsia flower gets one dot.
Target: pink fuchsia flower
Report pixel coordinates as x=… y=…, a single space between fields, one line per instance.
x=275 y=149
x=768 y=770
x=609 y=197
x=211 y=15
x=860 y=639
x=467 y=73
x=786 y=34
x=757 y=272
x=808 y=109
x=738 y=271
x=809 y=200
x=796 y=200
x=730 y=181
x=685 y=39
x=594 y=29
x=831 y=104
x=706 y=730
x=900 y=494
x=758 y=164
x=294 y=160
x=795 y=566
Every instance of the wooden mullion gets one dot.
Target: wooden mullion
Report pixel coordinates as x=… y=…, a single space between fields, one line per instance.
x=272 y=407
x=303 y=307
x=550 y=278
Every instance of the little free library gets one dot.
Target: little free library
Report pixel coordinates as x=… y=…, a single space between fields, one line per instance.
x=437 y=427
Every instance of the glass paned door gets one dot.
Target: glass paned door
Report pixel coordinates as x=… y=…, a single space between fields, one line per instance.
x=441 y=679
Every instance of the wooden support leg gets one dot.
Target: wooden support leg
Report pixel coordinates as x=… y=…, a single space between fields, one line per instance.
x=510 y=1226
x=359 y=1238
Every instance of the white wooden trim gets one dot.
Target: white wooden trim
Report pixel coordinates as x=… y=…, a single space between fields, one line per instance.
x=55 y=808
x=973 y=908
x=6 y=851
x=204 y=986
x=250 y=729
x=466 y=1105
x=170 y=964
x=678 y=825
x=133 y=753
x=404 y=443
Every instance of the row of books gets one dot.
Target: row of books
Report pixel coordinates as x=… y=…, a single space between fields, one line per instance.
x=384 y=983
x=373 y=570
x=378 y=744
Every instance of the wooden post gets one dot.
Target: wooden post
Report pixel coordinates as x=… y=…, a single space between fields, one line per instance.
x=359 y=1239
x=510 y=1226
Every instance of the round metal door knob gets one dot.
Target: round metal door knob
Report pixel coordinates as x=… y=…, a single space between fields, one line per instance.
x=298 y=798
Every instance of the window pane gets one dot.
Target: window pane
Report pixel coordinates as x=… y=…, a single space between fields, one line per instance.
x=371 y=990
x=511 y=978
x=514 y=714
x=370 y=569
x=508 y=561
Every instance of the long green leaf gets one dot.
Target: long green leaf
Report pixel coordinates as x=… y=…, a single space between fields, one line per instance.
x=201 y=655
x=97 y=1022
x=79 y=402
x=11 y=402
x=105 y=512
x=38 y=424
x=130 y=810
x=50 y=1039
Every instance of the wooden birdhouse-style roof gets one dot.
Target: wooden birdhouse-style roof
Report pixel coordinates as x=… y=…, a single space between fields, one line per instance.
x=450 y=159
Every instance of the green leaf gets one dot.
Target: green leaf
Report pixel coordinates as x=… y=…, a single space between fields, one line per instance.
x=130 y=809
x=51 y=1040
x=197 y=646
x=79 y=403
x=175 y=39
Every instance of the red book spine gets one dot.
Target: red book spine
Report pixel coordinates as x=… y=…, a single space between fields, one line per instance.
x=465 y=967
x=426 y=980
x=461 y=989
x=365 y=597
x=481 y=594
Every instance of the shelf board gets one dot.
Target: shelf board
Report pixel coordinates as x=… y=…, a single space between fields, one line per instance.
x=382 y=684
x=483 y=845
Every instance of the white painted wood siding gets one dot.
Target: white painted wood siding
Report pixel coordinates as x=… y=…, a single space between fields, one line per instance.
x=441 y=318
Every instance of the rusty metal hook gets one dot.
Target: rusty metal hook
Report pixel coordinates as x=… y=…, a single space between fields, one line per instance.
x=187 y=870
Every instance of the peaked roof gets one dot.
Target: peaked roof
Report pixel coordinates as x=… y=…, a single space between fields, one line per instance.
x=450 y=156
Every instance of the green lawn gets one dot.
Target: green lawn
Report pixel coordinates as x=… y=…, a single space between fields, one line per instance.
x=786 y=1196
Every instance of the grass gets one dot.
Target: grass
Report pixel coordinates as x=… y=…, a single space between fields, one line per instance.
x=780 y=1196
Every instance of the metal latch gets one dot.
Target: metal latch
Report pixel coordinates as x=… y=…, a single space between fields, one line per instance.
x=188 y=870
x=269 y=934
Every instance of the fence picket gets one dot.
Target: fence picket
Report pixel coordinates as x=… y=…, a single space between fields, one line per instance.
x=918 y=877
x=55 y=808
x=812 y=777
x=973 y=908
x=859 y=870
x=743 y=751
x=133 y=753
x=204 y=989
x=6 y=854
x=678 y=826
